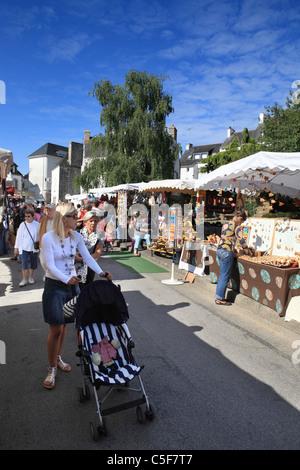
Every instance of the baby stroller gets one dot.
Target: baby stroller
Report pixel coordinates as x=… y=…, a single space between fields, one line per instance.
x=100 y=316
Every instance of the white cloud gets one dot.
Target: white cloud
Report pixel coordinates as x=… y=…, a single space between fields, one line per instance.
x=64 y=48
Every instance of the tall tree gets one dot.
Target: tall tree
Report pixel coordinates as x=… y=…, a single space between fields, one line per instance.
x=281 y=128
x=137 y=144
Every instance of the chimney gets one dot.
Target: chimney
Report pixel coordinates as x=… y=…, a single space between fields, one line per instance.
x=230 y=131
x=173 y=132
x=87 y=136
x=75 y=154
x=188 y=146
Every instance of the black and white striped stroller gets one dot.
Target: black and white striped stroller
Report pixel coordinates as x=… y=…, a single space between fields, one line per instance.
x=105 y=352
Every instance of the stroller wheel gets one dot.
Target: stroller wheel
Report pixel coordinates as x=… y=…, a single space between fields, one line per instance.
x=149 y=413
x=140 y=415
x=84 y=394
x=95 y=431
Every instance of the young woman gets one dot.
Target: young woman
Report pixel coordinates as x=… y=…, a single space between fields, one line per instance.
x=27 y=234
x=61 y=284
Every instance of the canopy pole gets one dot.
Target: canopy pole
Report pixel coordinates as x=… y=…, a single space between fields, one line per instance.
x=172 y=281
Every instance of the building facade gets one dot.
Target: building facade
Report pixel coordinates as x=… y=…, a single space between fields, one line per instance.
x=41 y=164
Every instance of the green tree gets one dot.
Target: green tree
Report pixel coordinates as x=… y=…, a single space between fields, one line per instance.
x=281 y=127
x=137 y=144
x=89 y=178
x=234 y=151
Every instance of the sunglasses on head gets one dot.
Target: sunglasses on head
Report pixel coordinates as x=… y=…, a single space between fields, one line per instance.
x=74 y=216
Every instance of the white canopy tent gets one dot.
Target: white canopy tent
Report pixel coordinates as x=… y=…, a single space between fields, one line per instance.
x=115 y=189
x=97 y=192
x=175 y=185
x=278 y=172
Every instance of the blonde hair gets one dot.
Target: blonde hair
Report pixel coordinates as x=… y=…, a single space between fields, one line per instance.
x=61 y=211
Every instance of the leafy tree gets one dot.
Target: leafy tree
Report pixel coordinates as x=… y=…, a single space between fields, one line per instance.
x=89 y=177
x=281 y=127
x=137 y=144
x=234 y=151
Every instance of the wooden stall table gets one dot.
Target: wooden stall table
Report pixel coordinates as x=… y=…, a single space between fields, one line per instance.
x=270 y=285
x=193 y=257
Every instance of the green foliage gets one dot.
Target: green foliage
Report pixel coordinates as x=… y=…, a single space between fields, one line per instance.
x=250 y=206
x=89 y=177
x=281 y=128
x=234 y=151
x=136 y=142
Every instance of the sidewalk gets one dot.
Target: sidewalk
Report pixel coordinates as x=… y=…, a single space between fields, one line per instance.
x=208 y=289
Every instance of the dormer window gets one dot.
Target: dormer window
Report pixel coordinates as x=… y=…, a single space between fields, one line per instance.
x=61 y=153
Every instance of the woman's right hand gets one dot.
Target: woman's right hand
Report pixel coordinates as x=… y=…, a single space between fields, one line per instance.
x=73 y=281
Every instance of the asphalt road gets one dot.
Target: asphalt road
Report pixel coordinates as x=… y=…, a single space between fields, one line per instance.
x=218 y=378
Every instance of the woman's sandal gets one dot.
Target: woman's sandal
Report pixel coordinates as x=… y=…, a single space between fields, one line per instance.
x=222 y=302
x=49 y=381
x=62 y=365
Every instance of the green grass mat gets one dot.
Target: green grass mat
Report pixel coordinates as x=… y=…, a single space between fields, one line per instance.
x=135 y=264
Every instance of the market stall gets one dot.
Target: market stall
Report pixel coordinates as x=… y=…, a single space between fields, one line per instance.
x=172 y=185
x=194 y=257
x=162 y=244
x=272 y=275
x=278 y=172
x=271 y=285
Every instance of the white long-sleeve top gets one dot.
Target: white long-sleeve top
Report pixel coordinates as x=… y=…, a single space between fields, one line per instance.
x=58 y=257
x=24 y=240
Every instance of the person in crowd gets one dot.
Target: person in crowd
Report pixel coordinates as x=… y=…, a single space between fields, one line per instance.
x=78 y=208
x=47 y=220
x=141 y=231
x=16 y=221
x=61 y=283
x=37 y=214
x=93 y=242
x=225 y=254
x=23 y=208
x=161 y=223
x=110 y=235
x=27 y=234
x=46 y=226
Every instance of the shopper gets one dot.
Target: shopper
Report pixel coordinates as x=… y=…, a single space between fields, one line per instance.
x=27 y=235
x=225 y=255
x=61 y=283
x=46 y=222
x=141 y=231
x=93 y=242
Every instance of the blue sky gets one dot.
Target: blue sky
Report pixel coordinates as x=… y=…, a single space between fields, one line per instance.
x=226 y=60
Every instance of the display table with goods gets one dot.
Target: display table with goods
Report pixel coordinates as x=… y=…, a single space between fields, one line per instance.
x=195 y=255
x=271 y=279
x=161 y=245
